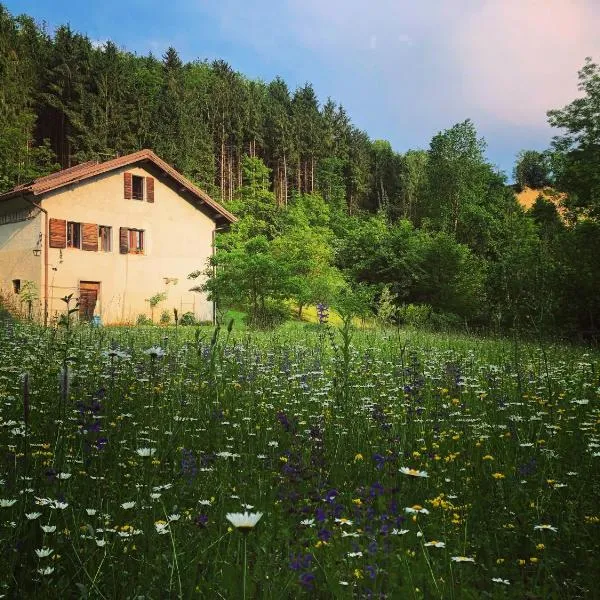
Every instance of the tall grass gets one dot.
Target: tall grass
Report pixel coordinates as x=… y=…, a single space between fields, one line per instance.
x=133 y=445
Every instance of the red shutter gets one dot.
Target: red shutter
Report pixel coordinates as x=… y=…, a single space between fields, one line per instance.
x=128 y=185
x=58 y=233
x=89 y=237
x=150 y=189
x=123 y=240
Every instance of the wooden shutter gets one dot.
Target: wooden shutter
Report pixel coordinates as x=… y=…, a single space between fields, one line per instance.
x=128 y=186
x=150 y=189
x=124 y=240
x=89 y=237
x=58 y=233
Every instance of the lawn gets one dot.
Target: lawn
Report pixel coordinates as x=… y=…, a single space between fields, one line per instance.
x=386 y=464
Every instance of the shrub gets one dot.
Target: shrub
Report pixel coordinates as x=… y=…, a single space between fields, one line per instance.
x=188 y=318
x=165 y=317
x=143 y=320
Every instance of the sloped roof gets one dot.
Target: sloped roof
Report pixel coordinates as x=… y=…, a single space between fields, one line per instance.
x=86 y=170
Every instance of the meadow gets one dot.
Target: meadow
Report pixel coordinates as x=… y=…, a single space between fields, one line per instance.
x=386 y=464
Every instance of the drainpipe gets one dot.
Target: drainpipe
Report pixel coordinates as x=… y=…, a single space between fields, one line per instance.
x=46 y=246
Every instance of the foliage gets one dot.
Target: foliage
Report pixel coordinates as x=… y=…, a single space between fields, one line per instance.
x=533 y=169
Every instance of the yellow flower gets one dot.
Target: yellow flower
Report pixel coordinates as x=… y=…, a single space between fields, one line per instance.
x=499 y=561
x=540 y=547
x=498 y=476
x=521 y=562
x=283 y=459
x=358 y=574
x=357 y=501
x=488 y=457
x=534 y=559
x=358 y=457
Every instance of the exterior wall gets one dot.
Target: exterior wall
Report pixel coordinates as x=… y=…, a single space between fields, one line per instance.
x=178 y=240
x=17 y=242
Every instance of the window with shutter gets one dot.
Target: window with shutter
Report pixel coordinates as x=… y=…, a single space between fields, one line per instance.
x=58 y=233
x=137 y=186
x=104 y=238
x=128 y=186
x=149 y=189
x=73 y=234
x=90 y=237
x=131 y=241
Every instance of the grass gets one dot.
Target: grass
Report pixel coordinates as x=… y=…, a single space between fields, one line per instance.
x=135 y=463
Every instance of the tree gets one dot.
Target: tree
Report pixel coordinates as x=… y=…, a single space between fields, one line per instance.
x=532 y=169
x=457 y=175
x=578 y=149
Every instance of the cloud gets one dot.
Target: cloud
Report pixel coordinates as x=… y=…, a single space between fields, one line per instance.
x=404 y=70
x=519 y=58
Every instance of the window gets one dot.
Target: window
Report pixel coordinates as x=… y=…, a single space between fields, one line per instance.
x=105 y=238
x=16 y=286
x=73 y=234
x=136 y=241
x=132 y=241
x=137 y=186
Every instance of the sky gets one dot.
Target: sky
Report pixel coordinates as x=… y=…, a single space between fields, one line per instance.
x=403 y=69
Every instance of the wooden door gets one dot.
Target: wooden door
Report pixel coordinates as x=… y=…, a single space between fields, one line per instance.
x=88 y=296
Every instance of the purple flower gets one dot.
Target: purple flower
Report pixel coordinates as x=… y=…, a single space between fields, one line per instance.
x=324 y=535
x=307 y=581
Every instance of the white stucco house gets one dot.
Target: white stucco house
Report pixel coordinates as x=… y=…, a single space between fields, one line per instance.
x=113 y=234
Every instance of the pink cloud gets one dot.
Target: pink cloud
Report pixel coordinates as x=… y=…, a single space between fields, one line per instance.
x=519 y=58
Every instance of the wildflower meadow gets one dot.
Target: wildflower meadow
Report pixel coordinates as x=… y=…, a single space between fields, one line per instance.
x=303 y=462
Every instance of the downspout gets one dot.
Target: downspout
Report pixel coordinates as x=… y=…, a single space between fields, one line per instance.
x=46 y=250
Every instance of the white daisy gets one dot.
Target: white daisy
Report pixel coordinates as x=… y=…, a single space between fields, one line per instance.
x=544 y=527
x=128 y=505
x=245 y=522
x=5 y=503
x=413 y=472
x=44 y=552
x=462 y=559
x=145 y=451
x=46 y=571
x=33 y=515
x=435 y=544
x=48 y=528
x=500 y=580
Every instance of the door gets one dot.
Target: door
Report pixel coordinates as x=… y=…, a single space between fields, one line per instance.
x=88 y=296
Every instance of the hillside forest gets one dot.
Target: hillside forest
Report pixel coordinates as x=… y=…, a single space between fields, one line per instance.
x=327 y=215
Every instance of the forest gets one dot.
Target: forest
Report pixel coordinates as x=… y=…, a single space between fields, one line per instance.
x=327 y=215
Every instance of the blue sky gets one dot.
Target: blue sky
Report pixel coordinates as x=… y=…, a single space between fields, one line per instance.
x=403 y=69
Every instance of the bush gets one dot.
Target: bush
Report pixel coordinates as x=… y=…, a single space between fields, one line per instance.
x=188 y=318
x=414 y=315
x=143 y=320
x=165 y=317
x=271 y=315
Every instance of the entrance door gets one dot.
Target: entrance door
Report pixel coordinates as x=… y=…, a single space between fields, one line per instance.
x=88 y=296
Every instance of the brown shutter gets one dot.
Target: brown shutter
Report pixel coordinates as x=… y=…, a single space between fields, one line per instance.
x=90 y=237
x=58 y=233
x=128 y=185
x=124 y=240
x=150 y=189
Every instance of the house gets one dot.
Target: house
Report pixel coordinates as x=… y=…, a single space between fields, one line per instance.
x=113 y=234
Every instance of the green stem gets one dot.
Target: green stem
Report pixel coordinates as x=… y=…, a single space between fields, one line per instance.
x=245 y=564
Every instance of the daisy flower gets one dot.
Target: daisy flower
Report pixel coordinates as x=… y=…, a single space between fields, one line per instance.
x=146 y=451
x=544 y=527
x=462 y=559
x=500 y=580
x=416 y=508
x=244 y=521
x=413 y=472
x=44 y=552
x=5 y=503
x=435 y=544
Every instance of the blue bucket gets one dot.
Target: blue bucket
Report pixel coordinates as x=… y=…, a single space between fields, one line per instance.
x=96 y=322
